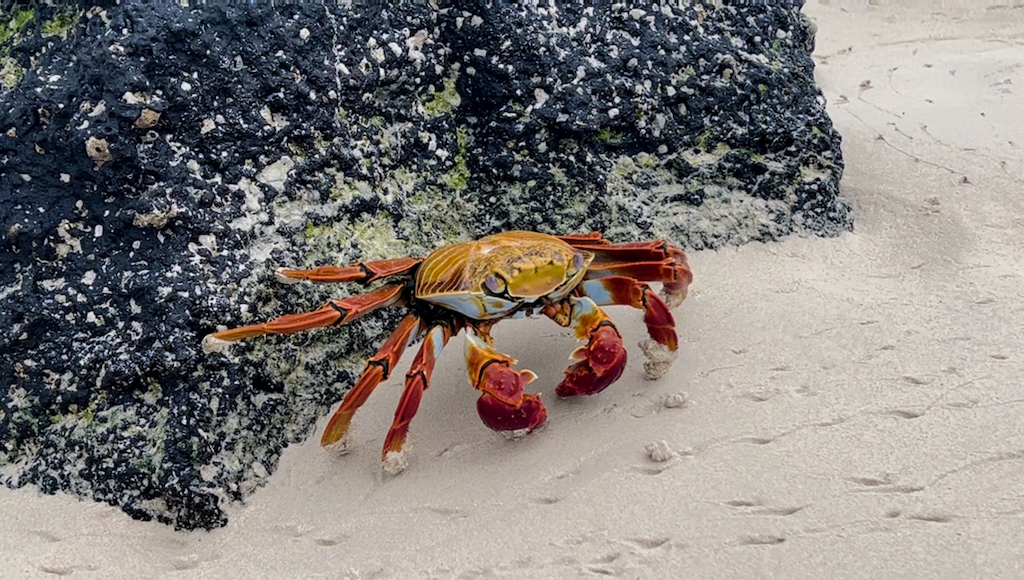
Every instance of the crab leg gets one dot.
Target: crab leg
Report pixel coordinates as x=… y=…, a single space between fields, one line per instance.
x=502 y=405
x=656 y=261
x=660 y=349
x=363 y=272
x=602 y=361
x=378 y=368
x=661 y=325
x=417 y=380
x=590 y=238
x=333 y=313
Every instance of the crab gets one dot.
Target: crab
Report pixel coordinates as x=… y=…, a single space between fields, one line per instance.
x=471 y=286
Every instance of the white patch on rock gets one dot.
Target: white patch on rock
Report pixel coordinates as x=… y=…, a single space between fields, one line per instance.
x=147 y=118
x=136 y=98
x=273 y=119
x=259 y=470
x=157 y=218
x=274 y=175
x=51 y=285
x=208 y=472
x=99 y=109
x=98 y=151
x=541 y=96
x=209 y=241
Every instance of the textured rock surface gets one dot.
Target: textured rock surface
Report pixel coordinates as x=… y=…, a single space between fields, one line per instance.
x=156 y=164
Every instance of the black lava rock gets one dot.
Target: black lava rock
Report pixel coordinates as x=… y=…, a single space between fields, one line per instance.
x=158 y=162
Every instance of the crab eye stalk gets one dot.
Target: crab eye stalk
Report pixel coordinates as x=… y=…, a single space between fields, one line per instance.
x=494 y=284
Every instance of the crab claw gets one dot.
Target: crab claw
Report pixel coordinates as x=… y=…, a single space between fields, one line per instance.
x=502 y=406
x=501 y=416
x=503 y=383
x=600 y=364
x=491 y=372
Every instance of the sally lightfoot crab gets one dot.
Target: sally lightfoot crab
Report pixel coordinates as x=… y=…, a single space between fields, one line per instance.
x=471 y=286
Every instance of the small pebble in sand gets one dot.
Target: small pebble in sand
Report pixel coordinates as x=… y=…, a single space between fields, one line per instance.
x=515 y=434
x=659 y=451
x=675 y=401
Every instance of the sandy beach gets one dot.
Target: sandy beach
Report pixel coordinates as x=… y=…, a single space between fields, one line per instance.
x=843 y=408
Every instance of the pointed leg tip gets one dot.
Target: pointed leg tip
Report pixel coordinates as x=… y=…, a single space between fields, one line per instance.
x=393 y=446
x=339 y=446
x=281 y=275
x=212 y=344
x=336 y=431
x=395 y=462
x=675 y=296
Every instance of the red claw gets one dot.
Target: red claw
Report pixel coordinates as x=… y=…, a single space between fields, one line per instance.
x=603 y=360
x=500 y=416
x=503 y=406
x=503 y=383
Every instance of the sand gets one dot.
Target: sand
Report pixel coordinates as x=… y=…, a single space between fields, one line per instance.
x=842 y=408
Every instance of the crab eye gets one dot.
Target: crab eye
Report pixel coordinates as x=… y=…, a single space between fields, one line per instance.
x=494 y=284
x=577 y=261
